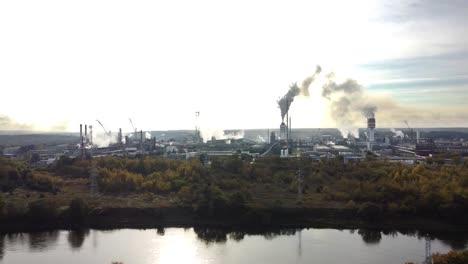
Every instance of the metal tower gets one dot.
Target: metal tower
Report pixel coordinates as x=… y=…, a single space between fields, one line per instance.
x=93 y=185
x=299 y=246
x=299 y=179
x=428 y=259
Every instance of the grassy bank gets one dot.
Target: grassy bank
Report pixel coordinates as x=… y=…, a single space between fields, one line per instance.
x=152 y=191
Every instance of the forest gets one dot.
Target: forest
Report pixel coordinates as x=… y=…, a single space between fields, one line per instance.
x=236 y=184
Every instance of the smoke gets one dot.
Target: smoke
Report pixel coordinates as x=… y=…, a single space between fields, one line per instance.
x=208 y=134
x=369 y=111
x=398 y=133
x=103 y=140
x=6 y=123
x=261 y=139
x=294 y=90
x=347 y=104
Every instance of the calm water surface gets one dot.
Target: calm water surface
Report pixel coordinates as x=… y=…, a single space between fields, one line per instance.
x=202 y=245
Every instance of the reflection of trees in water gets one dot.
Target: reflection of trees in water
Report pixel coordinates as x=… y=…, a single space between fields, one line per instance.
x=457 y=241
x=2 y=245
x=271 y=234
x=219 y=235
x=160 y=231
x=77 y=237
x=211 y=235
x=236 y=236
x=43 y=240
x=369 y=236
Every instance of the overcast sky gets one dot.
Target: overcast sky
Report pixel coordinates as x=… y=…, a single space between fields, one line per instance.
x=68 y=62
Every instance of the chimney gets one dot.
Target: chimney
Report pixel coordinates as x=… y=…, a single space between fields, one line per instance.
x=141 y=139
x=81 y=139
x=91 y=135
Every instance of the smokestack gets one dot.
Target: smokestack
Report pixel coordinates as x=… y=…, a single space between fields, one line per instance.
x=141 y=139
x=119 y=137
x=91 y=135
x=290 y=129
x=86 y=131
x=282 y=131
x=268 y=136
x=81 y=139
x=287 y=128
x=370 y=131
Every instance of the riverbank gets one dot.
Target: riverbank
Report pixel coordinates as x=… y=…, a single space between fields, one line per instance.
x=250 y=218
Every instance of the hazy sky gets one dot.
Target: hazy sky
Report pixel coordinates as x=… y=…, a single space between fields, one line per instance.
x=68 y=62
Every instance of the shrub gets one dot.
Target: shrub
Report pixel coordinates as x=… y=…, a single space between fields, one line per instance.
x=41 y=181
x=452 y=257
x=41 y=210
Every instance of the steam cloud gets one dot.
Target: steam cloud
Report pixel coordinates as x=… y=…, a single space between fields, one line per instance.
x=207 y=134
x=6 y=123
x=348 y=104
x=103 y=140
x=397 y=133
x=285 y=102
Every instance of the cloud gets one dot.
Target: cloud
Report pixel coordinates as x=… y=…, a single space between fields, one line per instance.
x=6 y=123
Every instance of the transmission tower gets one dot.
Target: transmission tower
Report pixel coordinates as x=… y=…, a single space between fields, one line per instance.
x=93 y=185
x=299 y=179
x=428 y=259
x=299 y=246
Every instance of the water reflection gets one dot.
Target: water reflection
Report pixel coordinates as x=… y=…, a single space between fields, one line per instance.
x=160 y=231
x=370 y=237
x=219 y=235
x=211 y=235
x=2 y=245
x=77 y=237
x=222 y=245
x=237 y=236
x=39 y=241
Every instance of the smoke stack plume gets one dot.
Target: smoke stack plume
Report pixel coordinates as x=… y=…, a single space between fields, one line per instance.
x=294 y=90
x=348 y=104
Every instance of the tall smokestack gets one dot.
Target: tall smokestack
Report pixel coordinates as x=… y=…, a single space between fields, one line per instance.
x=86 y=131
x=290 y=129
x=287 y=128
x=370 y=131
x=91 y=135
x=81 y=139
x=141 y=139
x=283 y=131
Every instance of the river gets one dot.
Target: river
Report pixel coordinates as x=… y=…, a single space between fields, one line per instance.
x=208 y=245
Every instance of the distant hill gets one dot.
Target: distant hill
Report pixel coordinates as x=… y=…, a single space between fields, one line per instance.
x=29 y=139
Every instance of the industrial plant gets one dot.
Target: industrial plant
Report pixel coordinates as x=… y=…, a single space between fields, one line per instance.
x=348 y=141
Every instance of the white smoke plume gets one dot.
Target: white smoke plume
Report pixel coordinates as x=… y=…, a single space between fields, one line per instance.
x=347 y=104
x=102 y=140
x=397 y=133
x=261 y=139
x=294 y=90
x=208 y=134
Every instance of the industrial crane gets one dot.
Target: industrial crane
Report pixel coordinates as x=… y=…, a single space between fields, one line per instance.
x=131 y=122
x=410 y=130
x=107 y=133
